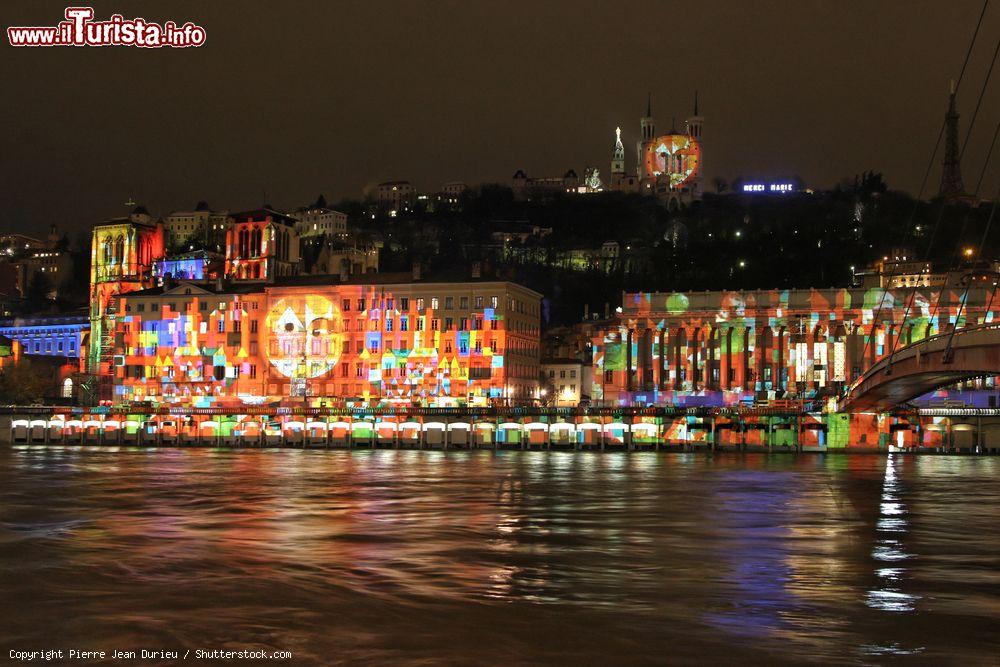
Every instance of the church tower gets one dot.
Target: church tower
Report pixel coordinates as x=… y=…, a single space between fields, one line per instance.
x=647 y=130
x=695 y=122
x=618 y=161
x=951 y=171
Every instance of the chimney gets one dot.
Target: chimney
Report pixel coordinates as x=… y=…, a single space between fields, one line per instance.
x=477 y=270
x=416 y=271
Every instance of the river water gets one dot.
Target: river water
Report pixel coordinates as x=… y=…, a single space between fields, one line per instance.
x=416 y=557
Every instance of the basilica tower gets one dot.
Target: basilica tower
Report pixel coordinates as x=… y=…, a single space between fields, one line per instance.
x=647 y=130
x=695 y=122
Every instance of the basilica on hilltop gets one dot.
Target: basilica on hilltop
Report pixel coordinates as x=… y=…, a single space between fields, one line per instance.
x=668 y=166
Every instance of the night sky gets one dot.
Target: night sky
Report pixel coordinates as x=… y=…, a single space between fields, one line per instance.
x=302 y=98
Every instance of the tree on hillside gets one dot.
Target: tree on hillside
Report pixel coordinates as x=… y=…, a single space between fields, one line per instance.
x=21 y=384
x=37 y=296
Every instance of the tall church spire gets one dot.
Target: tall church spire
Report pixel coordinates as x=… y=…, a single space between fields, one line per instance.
x=951 y=171
x=618 y=161
x=646 y=122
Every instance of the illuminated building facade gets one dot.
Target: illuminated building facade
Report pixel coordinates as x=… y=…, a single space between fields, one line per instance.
x=196 y=265
x=261 y=245
x=305 y=341
x=668 y=165
x=723 y=348
x=122 y=254
x=60 y=336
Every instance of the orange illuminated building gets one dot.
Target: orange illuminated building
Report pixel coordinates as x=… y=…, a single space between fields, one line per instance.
x=304 y=341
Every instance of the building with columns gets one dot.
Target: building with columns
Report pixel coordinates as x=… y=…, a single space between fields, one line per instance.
x=724 y=348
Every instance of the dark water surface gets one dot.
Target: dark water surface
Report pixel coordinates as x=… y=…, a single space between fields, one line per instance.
x=406 y=557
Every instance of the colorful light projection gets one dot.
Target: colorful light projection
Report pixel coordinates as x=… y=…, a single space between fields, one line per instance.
x=674 y=156
x=724 y=348
x=357 y=343
x=305 y=336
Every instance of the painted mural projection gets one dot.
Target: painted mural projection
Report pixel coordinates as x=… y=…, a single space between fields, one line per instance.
x=305 y=339
x=674 y=155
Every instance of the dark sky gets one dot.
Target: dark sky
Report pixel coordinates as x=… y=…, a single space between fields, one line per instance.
x=298 y=98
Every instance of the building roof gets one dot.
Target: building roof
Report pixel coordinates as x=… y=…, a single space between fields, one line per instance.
x=333 y=280
x=261 y=214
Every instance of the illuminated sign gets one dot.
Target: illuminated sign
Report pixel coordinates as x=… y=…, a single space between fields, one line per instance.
x=774 y=188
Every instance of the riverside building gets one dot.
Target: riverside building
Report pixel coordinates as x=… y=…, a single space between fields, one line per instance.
x=374 y=340
x=724 y=348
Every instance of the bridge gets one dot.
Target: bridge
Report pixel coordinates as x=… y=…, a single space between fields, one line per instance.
x=929 y=364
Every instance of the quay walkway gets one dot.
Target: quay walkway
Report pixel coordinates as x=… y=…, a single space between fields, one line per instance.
x=734 y=429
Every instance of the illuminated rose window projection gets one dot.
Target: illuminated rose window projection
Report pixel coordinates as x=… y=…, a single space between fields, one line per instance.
x=673 y=155
x=305 y=336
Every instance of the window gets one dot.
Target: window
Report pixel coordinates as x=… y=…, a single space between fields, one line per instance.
x=222 y=325
x=403 y=323
x=463 y=324
x=141 y=307
x=155 y=306
x=493 y=325
x=449 y=302
x=463 y=303
x=494 y=301
x=420 y=324
x=434 y=324
x=388 y=304
x=449 y=324
x=203 y=305
x=346 y=305
x=434 y=302
x=420 y=304
x=253 y=326
x=237 y=326
x=479 y=302
x=253 y=347
x=404 y=303
x=361 y=304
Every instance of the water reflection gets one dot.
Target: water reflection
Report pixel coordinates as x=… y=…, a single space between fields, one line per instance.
x=527 y=557
x=890 y=548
